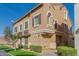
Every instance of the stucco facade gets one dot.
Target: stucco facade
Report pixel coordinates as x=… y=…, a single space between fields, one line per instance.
x=49 y=36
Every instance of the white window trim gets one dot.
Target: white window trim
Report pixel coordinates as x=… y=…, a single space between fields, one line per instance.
x=35 y=25
x=14 y=29
x=21 y=29
x=49 y=24
x=28 y=24
x=65 y=15
x=34 y=20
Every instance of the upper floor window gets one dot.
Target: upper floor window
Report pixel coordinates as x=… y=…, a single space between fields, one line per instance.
x=15 y=29
x=49 y=18
x=66 y=27
x=55 y=25
x=65 y=14
x=36 y=20
x=26 y=25
x=21 y=27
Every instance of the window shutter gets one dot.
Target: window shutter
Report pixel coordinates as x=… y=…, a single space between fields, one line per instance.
x=33 y=22
x=39 y=18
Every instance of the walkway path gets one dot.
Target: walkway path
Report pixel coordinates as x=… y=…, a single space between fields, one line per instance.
x=48 y=53
x=3 y=53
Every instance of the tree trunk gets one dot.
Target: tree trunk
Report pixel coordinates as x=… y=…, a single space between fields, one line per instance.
x=26 y=41
x=20 y=41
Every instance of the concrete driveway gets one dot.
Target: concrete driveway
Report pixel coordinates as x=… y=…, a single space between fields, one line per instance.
x=3 y=53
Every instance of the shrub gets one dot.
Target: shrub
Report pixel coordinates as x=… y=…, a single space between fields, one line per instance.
x=20 y=46
x=9 y=49
x=25 y=46
x=22 y=53
x=36 y=48
x=66 y=51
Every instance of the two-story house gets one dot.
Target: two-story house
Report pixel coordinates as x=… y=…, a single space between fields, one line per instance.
x=48 y=25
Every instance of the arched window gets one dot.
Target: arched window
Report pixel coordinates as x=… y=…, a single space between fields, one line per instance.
x=49 y=18
x=65 y=15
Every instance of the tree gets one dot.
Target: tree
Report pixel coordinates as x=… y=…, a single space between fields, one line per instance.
x=7 y=32
x=19 y=36
x=9 y=36
x=14 y=38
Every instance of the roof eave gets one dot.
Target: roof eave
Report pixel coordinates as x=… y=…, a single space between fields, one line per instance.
x=26 y=14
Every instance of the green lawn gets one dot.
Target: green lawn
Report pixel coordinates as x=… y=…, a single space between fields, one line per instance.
x=17 y=52
x=22 y=53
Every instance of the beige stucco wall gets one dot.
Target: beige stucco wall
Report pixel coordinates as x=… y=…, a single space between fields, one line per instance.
x=57 y=14
x=38 y=39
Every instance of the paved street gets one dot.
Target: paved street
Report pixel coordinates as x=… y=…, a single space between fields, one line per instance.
x=3 y=53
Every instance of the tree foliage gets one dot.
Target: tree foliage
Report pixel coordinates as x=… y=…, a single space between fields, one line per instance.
x=7 y=32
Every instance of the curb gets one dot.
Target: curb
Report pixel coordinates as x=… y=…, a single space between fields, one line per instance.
x=10 y=54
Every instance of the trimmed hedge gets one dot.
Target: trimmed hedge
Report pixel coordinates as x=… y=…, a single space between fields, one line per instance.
x=22 y=53
x=66 y=51
x=36 y=48
x=9 y=49
x=25 y=46
x=20 y=46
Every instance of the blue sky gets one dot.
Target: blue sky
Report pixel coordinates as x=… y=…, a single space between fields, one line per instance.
x=70 y=7
x=14 y=11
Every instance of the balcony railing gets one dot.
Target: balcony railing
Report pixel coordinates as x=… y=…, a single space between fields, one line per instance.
x=26 y=33
x=62 y=28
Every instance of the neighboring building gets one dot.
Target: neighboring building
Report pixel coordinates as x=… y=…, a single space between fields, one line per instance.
x=48 y=26
x=3 y=40
x=76 y=32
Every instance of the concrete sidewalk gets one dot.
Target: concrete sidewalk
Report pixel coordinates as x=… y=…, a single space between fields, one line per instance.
x=3 y=53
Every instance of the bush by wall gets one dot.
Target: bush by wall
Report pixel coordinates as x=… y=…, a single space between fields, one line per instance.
x=36 y=48
x=20 y=46
x=25 y=46
x=66 y=51
x=9 y=49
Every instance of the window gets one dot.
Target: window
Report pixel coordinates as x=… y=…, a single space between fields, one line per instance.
x=36 y=20
x=65 y=15
x=15 y=29
x=55 y=24
x=49 y=18
x=21 y=27
x=26 y=25
x=66 y=27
